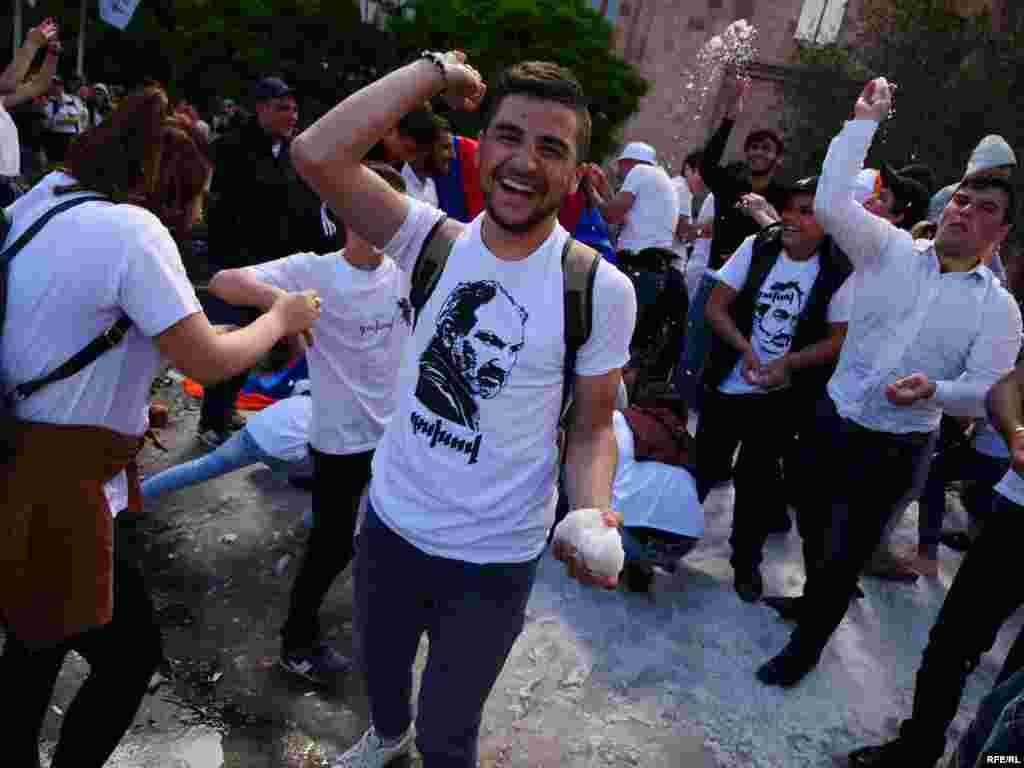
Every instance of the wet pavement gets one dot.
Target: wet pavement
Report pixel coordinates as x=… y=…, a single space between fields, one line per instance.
x=220 y=558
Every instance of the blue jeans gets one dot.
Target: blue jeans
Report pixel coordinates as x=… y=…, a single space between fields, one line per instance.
x=239 y=451
x=998 y=728
x=688 y=373
x=472 y=615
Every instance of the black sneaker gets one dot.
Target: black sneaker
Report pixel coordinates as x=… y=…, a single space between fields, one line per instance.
x=789 y=667
x=749 y=585
x=321 y=666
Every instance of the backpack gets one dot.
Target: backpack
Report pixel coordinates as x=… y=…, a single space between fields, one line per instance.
x=579 y=266
x=110 y=338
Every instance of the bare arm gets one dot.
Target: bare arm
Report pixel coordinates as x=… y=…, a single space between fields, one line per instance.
x=1005 y=406
x=591 y=451
x=38 y=85
x=820 y=353
x=240 y=287
x=720 y=319
x=201 y=353
x=615 y=209
x=329 y=154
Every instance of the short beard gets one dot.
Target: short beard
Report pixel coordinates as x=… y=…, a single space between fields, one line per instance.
x=536 y=218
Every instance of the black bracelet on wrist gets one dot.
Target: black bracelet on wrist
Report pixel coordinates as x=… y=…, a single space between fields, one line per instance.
x=438 y=60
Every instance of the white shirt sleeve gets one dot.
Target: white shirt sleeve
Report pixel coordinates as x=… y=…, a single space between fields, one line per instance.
x=635 y=180
x=154 y=290
x=864 y=237
x=685 y=197
x=408 y=241
x=841 y=306
x=292 y=273
x=614 y=313
x=735 y=270
x=993 y=353
x=707 y=210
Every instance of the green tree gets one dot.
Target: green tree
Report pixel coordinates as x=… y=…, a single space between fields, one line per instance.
x=497 y=33
x=957 y=79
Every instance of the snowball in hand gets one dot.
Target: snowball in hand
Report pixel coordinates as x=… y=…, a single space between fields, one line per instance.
x=599 y=545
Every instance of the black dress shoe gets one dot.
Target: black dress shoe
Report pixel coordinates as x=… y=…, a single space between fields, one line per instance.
x=788 y=608
x=958 y=541
x=789 y=667
x=749 y=585
x=897 y=752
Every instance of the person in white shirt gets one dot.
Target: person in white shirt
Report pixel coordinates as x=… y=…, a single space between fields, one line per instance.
x=646 y=206
x=433 y=158
x=931 y=331
x=67 y=579
x=779 y=315
x=67 y=117
x=277 y=436
x=463 y=490
x=15 y=90
x=689 y=184
x=352 y=367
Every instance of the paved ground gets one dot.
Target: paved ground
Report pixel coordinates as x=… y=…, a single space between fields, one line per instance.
x=597 y=679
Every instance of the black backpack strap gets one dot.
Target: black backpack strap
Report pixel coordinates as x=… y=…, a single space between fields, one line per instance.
x=431 y=263
x=109 y=339
x=579 y=267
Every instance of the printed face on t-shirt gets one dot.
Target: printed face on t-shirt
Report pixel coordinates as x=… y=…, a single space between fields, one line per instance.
x=776 y=313
x=480 y=333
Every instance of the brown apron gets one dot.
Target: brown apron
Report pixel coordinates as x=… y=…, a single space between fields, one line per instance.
x=56 y=530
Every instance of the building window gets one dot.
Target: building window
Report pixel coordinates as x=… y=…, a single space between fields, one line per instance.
x=820 y=21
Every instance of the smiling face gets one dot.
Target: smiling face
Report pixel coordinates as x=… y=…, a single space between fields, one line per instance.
x=801 y=232
x=528 y=162
x=487 y=353
x=762 y=156
x=974 y=220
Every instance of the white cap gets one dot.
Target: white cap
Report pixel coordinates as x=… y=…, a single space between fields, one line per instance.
x=991 y=152
x=637 y=150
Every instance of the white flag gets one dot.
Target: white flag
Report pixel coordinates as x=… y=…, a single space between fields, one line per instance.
x=117 y=13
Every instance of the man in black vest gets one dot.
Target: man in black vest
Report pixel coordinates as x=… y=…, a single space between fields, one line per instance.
x=778 y=317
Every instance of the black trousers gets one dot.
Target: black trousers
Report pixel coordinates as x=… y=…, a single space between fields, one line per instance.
x=763 y=426
x=861 y=474
x=338 y=482
x=122 y=657
x=219 y=399
x=987 y=590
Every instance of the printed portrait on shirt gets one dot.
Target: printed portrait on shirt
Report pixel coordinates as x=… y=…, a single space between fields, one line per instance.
x=479 y=334
x=776 y=314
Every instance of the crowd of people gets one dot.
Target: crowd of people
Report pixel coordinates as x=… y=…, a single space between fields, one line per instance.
x=498 y=331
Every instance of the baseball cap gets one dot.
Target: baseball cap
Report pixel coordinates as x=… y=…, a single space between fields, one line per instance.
x=805 y=186
x=272 y=88
x=992 y=152
x=639 y=151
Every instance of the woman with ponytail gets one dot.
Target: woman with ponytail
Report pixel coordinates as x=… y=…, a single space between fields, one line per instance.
x=66 y=583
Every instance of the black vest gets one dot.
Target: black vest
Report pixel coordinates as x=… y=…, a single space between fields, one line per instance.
x=812 y=325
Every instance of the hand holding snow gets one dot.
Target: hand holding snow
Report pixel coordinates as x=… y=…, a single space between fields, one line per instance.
x=596 y=540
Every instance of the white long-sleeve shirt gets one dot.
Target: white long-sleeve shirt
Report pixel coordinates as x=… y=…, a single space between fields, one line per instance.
x=961 y=329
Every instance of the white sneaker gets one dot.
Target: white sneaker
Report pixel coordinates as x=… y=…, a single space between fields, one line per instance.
x=371 y=752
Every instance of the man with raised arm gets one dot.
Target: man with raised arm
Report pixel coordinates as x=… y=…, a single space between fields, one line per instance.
x=463 y=489
x=931 y=330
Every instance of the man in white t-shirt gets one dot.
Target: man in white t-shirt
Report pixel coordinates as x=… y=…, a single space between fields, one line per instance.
x=433 y=158
x=646 y=206
x=779 y=317
x=688 y=185
x=353 y=361
x=66 y=118
x=463 y=490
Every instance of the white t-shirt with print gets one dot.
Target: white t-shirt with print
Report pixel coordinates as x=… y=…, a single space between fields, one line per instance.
x=701 y=254
x=783 y=298
x=283 y=429
x=467 y=468
x=365 y=319
x=651 y=222
x=84 y=270
x=10 y=148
